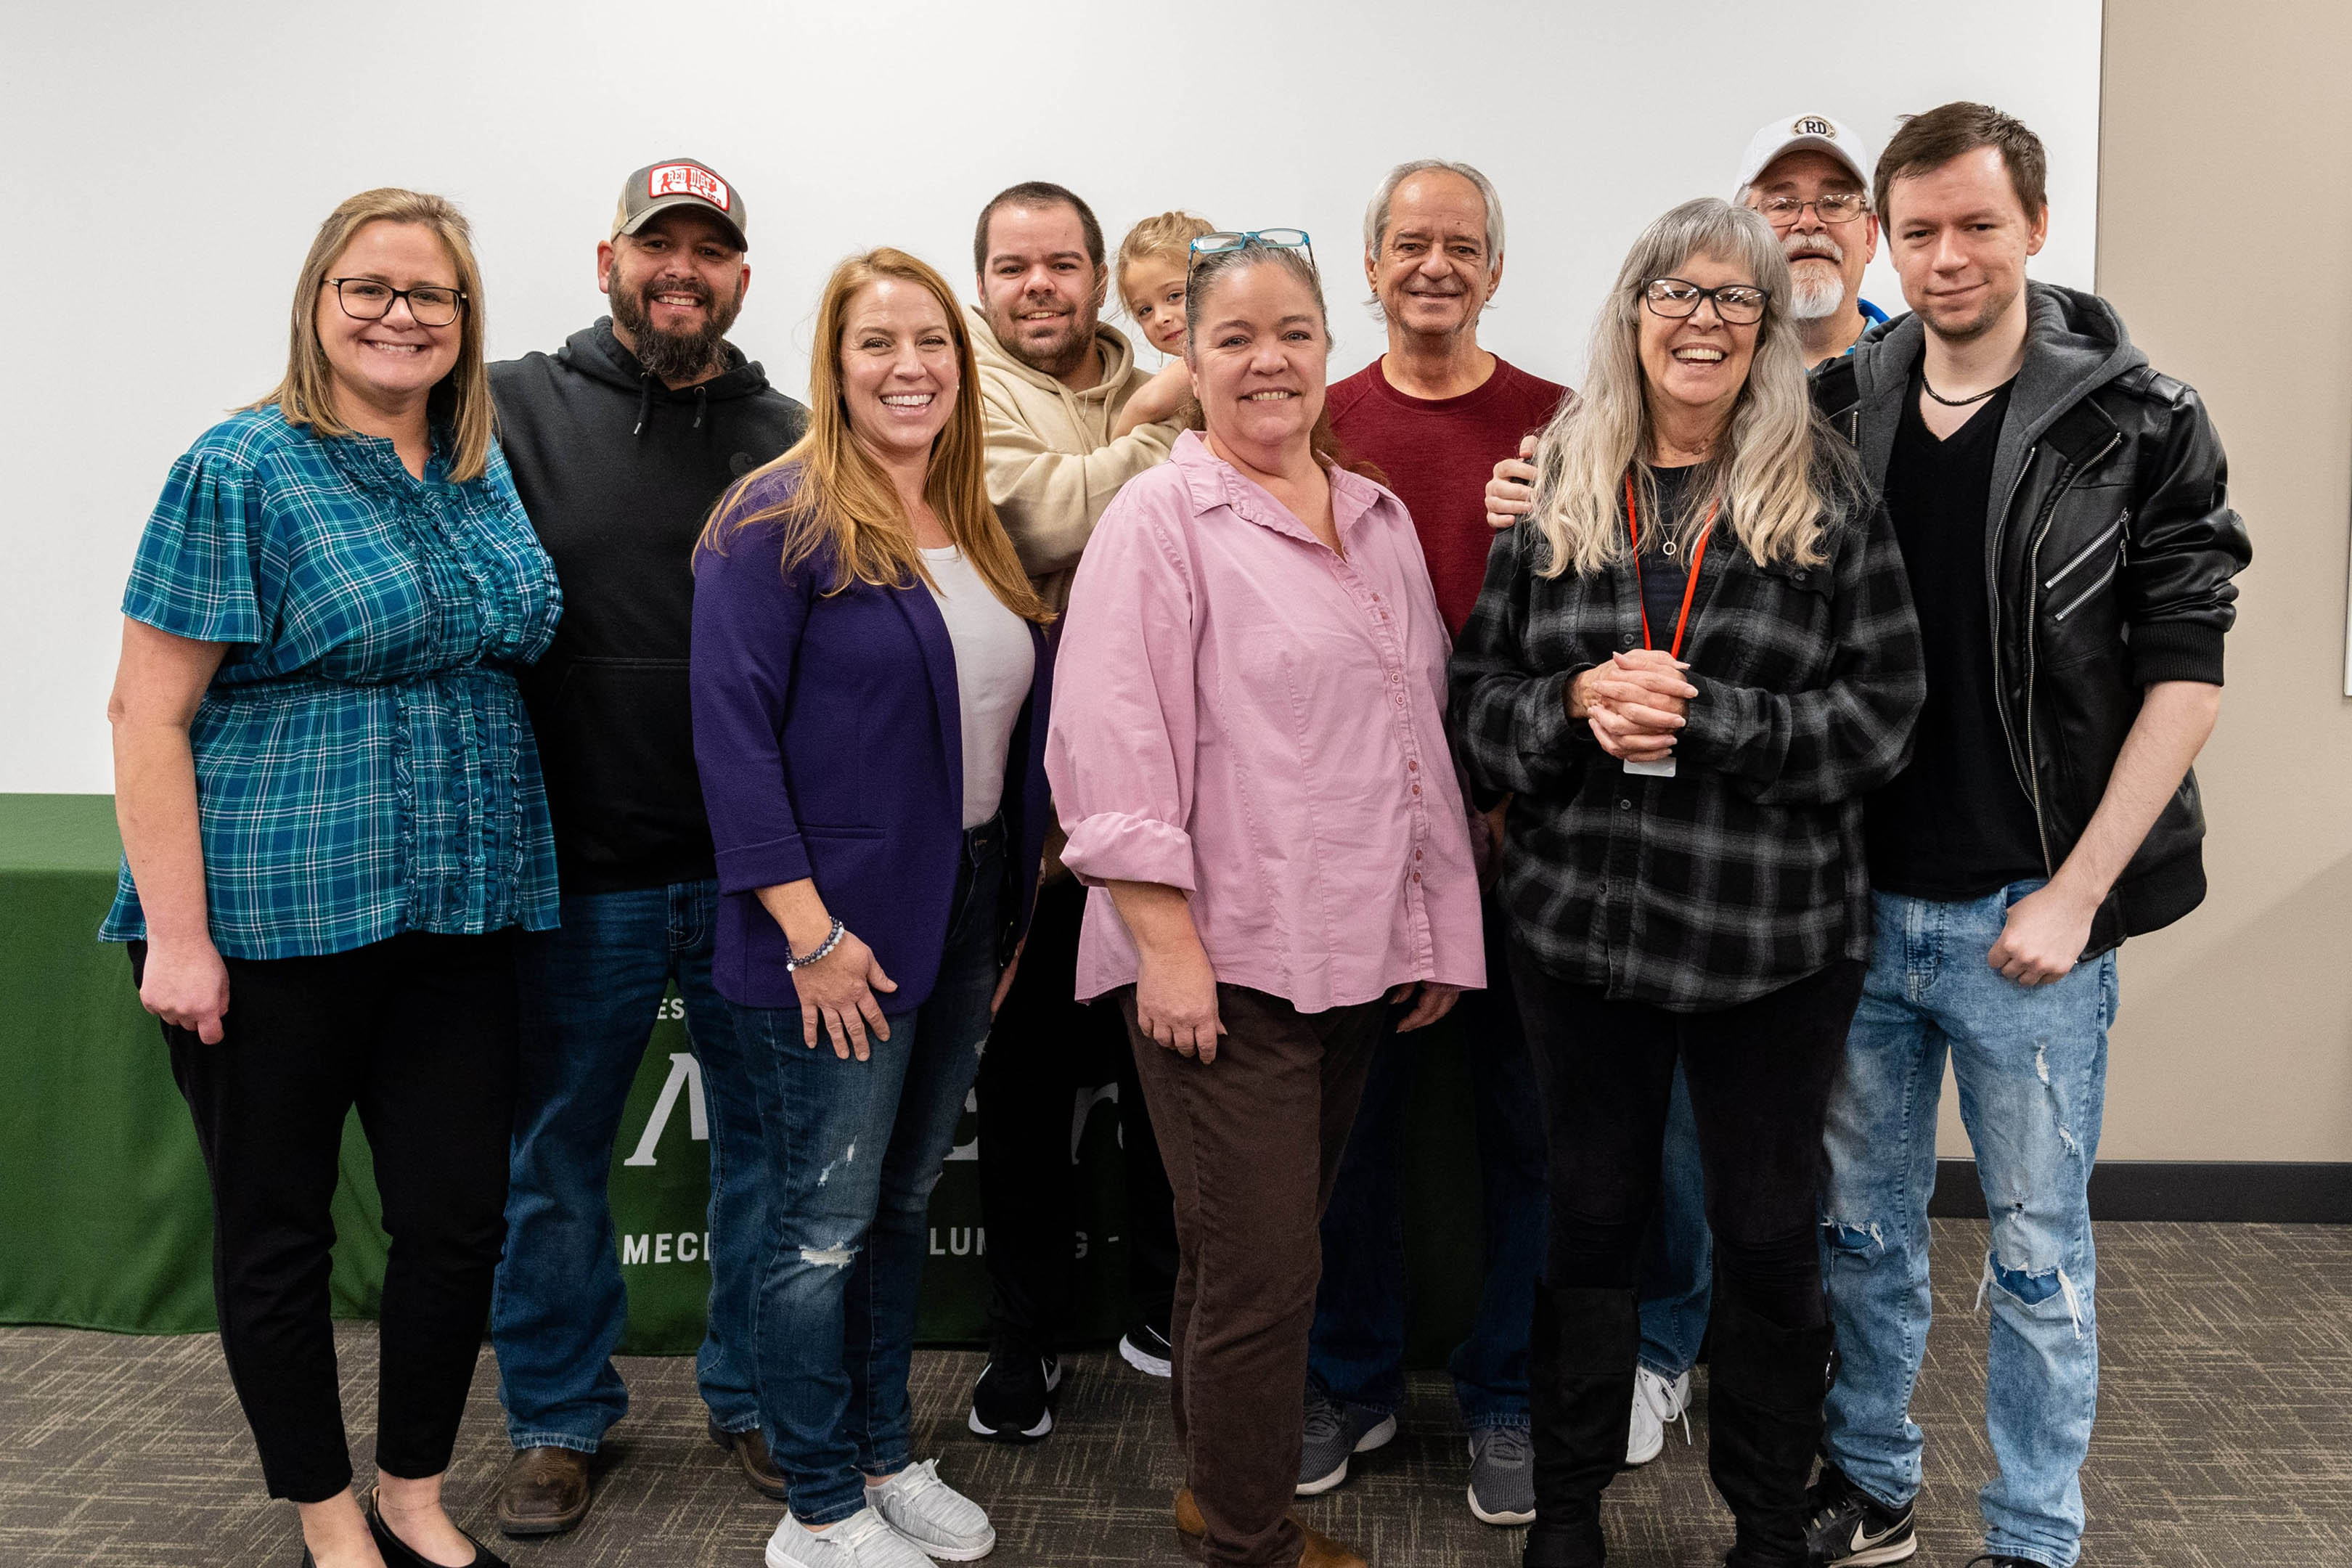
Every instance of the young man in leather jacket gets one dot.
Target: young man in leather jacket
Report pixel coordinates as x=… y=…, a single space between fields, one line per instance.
x=2065 y=520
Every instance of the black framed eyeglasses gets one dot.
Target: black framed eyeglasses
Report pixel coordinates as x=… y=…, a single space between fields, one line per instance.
x=1225 y=240
x=1736 y=304
x=370 y=300
x=1838 y=206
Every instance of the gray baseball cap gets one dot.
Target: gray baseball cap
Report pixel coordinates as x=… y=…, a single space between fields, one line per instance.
x=679 y=183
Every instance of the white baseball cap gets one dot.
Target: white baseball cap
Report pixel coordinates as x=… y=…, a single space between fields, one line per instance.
x=1797 y=131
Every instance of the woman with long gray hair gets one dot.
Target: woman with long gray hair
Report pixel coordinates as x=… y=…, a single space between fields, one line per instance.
x=1689 y=662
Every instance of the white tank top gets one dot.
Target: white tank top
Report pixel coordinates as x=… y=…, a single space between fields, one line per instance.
x=995 y=662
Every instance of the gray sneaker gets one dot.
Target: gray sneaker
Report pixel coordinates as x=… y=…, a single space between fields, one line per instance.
x=932 y=1514
x=1503 y=1476
x=861 y=1541
x=1334 y=1430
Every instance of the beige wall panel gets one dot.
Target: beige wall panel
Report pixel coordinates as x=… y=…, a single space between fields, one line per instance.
x=2225 y=240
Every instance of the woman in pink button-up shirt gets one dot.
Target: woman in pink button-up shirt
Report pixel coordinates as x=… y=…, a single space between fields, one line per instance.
x=1249 y=755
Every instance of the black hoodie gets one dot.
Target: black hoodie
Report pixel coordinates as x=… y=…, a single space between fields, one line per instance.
x=618 y=472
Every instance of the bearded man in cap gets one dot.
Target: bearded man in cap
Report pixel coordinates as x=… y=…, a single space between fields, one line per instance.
x=1810 y=176
x=619 y=442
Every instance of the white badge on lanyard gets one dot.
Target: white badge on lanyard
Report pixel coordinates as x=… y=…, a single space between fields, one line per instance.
x=1662 y=769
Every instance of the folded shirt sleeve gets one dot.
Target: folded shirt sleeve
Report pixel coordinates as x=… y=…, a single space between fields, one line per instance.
x=1119 y=751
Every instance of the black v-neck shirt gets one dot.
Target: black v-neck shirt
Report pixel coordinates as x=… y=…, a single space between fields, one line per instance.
x=1664 y=572
x=1956 y=823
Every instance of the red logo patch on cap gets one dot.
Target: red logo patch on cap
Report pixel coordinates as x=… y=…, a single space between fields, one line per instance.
x=687 y=180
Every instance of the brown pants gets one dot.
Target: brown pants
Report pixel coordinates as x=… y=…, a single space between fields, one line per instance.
x=1251 y=1142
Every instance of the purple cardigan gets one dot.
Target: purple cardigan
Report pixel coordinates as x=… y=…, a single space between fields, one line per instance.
x=829 y=738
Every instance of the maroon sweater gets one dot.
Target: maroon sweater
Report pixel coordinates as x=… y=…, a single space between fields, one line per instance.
x=1437 y=456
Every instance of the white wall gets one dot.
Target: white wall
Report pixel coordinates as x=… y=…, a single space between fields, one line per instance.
x=167 y=164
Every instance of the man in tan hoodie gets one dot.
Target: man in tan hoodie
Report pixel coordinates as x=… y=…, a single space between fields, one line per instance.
x=1070 y=418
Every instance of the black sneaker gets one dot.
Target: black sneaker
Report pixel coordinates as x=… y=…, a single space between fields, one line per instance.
x=1012 y=1401
x=1147 y=1349
x=1845 y=1527
x=1999 y=1560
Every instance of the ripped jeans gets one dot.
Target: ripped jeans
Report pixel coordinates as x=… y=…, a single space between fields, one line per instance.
x=855 y=1149
x=2031 y=1065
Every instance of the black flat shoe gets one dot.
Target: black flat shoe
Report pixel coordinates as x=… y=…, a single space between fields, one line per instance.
x=396 y=1553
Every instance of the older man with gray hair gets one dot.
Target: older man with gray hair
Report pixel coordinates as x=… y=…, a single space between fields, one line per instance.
x=1430 y=413
x=1810 y=176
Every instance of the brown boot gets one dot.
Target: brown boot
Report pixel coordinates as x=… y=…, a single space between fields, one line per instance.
x=1192 y=1529
x=749 y=1448
x=544 y=1492
x=1321 y=1550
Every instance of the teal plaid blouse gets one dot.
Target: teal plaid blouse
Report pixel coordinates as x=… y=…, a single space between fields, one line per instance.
x=364 y=766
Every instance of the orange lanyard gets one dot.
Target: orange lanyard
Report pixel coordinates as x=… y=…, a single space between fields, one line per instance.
x=1690 y=584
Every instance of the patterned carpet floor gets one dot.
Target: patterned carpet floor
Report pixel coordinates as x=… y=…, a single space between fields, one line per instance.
x=2224 y=1438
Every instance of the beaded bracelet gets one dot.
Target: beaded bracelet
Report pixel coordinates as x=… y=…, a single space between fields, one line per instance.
x=832 y=940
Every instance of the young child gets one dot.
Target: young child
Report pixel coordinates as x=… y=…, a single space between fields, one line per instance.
x=1152 y=260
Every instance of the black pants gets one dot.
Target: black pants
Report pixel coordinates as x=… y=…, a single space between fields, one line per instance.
x=1044 y=1048
x=418 y=1032
x=1760 y=1075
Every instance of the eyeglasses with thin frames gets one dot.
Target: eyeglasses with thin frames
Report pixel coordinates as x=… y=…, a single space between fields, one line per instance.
x=1736 y=304
x=371 y=299
x=1838 y=206
x=1225 y=240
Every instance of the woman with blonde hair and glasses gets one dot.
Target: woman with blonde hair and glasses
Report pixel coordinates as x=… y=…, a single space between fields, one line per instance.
x=870 y=681
x=1256 y=787
x=1689 y=663
x=332 y=824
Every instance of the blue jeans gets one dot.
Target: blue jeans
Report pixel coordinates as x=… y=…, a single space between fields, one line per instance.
x=856 y=1149
x=1357 y=1349
x=590 y=992
x=1678 y=1254
x=2032 y=1069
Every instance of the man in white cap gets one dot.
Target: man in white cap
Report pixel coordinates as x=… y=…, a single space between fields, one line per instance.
x=1810 y=176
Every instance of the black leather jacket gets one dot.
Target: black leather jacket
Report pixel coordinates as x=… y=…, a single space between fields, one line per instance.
x=2107 y=568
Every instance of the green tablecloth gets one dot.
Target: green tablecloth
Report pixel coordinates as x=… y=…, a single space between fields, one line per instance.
x=105 y=1222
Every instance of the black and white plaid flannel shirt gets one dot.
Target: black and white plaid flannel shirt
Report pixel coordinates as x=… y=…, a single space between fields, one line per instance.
x=1744 y=872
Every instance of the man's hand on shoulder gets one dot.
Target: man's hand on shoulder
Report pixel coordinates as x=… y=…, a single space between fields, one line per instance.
x=1510 y=494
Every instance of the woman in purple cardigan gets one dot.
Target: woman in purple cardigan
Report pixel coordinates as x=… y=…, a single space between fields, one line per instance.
x=870 y=681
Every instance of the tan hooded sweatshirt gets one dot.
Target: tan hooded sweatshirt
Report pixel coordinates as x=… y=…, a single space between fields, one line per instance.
x=1053 y=466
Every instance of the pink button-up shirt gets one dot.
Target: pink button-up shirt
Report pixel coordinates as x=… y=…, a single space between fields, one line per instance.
x=1247 y=715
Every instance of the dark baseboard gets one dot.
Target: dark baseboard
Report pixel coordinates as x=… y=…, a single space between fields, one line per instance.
x=2270 y=1192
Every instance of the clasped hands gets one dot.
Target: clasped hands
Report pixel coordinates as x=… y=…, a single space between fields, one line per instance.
x=1637 y=703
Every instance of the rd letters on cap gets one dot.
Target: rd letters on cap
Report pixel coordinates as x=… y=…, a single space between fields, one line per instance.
x=1814 y=125
x=687 y=179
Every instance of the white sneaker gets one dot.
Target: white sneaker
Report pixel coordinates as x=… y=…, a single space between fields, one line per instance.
x=1657 y=1403
x=861 y=1541
x=932 y=1514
